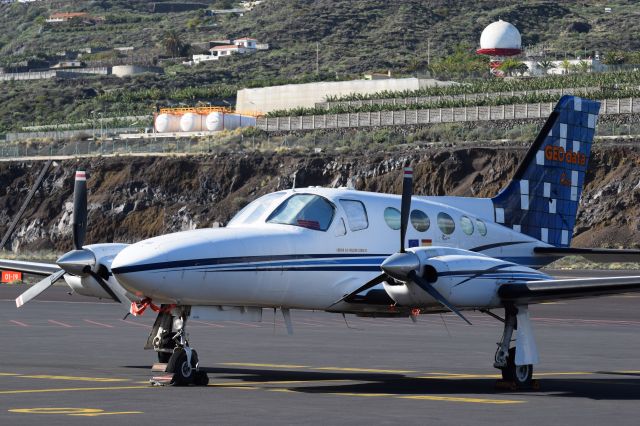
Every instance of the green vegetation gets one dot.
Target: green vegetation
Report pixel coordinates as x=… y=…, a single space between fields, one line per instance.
x=348 y=37
x=573 y=81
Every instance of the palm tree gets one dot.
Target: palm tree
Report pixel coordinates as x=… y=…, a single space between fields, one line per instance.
x=172 y=43
x=545 y=65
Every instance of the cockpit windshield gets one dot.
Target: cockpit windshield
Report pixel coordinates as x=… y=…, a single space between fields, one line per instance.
x=305 y=210
x=254 y=210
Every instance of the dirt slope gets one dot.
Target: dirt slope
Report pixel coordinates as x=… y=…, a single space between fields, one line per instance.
x=137 y=197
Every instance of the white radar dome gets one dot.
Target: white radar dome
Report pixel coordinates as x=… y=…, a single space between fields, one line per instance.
x=500 y=38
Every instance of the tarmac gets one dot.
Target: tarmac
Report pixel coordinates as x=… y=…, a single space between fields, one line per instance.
x=74 y=360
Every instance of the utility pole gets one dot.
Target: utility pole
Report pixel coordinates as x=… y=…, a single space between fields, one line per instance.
x=428 y=52
x=317 y=58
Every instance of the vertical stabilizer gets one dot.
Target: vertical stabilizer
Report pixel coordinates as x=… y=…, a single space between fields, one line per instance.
x=542 y=198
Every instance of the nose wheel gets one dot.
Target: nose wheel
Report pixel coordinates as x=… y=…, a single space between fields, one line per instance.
x=178 y=361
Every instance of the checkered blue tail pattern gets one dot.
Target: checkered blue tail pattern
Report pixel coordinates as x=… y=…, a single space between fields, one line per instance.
x=542 y=198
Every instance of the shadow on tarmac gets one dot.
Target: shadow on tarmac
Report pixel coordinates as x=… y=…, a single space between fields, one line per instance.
x=596 y=388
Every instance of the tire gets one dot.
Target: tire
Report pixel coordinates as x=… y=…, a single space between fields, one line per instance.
x=201 y=379
x=183 y=373
x=521 y=375
x=164 y=357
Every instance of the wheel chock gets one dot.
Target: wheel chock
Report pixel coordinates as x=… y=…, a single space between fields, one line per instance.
x=159 y=367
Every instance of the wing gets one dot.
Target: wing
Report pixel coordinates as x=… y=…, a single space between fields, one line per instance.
x=35 y=268
x=592 y=254
x=550 y=290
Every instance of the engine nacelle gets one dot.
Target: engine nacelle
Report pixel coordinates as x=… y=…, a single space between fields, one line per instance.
x=87 y=285
x=465 y=278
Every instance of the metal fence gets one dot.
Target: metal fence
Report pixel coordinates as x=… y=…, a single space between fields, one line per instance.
x=470 y=97
x=431 y=116
x=57 y=135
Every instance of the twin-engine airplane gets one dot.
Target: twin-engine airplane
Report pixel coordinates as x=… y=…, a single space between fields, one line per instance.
x=333 y=250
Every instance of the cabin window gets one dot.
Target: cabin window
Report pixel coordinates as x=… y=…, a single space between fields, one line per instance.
x=419 y=220
x=356 y=214
x=446 y=223
x=304 y=210
x=254 y=210
x=392 y=217
x=482 y=227
x=466 y=225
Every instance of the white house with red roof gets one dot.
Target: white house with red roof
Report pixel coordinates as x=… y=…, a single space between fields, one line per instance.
x=239 y=46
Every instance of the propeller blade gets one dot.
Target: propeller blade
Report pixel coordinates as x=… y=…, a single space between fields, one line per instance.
x=105 y=286
x=374 y=282
x=426 y=286
x=405 y=207
x=79 y=220
x=38 y=288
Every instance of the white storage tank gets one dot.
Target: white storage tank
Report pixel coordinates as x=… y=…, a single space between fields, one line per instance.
x=191 y=122
x=167 y=123
x=214 y=121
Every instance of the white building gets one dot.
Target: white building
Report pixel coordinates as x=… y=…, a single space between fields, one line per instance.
x=565 y=66
x=239 y=46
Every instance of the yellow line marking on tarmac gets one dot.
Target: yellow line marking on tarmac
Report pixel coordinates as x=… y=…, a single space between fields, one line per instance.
x=363 y=370
x=459 y=399
x=9 y=374
x=82 y=379
x=565 y=373
x=73 y=389
x=360 y=394
x=280 y=390
x=253 y=364
x=276 y=382
x=110 y=413
x=461 y=376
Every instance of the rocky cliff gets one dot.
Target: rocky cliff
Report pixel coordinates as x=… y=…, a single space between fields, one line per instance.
x=137 y=197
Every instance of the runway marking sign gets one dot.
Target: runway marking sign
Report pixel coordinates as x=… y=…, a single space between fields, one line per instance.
x=11 y=276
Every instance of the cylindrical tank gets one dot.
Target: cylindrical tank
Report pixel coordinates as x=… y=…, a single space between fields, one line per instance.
x=191 y=122
x=233 y=121
x=214 y=121
x=166 y=123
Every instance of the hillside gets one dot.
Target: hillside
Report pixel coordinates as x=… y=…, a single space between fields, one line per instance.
x=138 y=197
x=347 y=37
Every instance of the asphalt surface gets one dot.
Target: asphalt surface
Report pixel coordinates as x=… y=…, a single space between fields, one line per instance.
x=71 y=360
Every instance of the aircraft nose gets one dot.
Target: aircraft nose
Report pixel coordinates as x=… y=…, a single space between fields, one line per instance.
x=136 y=267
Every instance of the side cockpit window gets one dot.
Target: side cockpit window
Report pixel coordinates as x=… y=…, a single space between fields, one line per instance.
x=356 y=214
x=304 y=210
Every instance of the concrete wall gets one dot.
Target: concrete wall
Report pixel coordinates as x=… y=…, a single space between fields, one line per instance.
x=267 y=99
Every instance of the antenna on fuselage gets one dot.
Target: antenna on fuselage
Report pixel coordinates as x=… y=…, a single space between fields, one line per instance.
x=295 y=175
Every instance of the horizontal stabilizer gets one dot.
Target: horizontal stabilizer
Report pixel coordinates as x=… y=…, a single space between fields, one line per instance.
x=592 y=254
x=550 y=290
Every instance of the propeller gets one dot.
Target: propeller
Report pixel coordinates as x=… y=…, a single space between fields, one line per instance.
x=403 y=265
x=79 y=262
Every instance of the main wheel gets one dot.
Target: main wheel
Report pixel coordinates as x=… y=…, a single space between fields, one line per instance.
x=183 y=371
x=164 y=357
x=521 y=375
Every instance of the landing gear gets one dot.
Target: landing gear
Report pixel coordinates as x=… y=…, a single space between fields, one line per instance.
x=513 y=376
x=169 y=339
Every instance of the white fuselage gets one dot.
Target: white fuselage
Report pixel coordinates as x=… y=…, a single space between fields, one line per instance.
x=253 y=262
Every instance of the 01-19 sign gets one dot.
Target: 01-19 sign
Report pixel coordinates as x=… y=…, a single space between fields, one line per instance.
x=11 y=276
